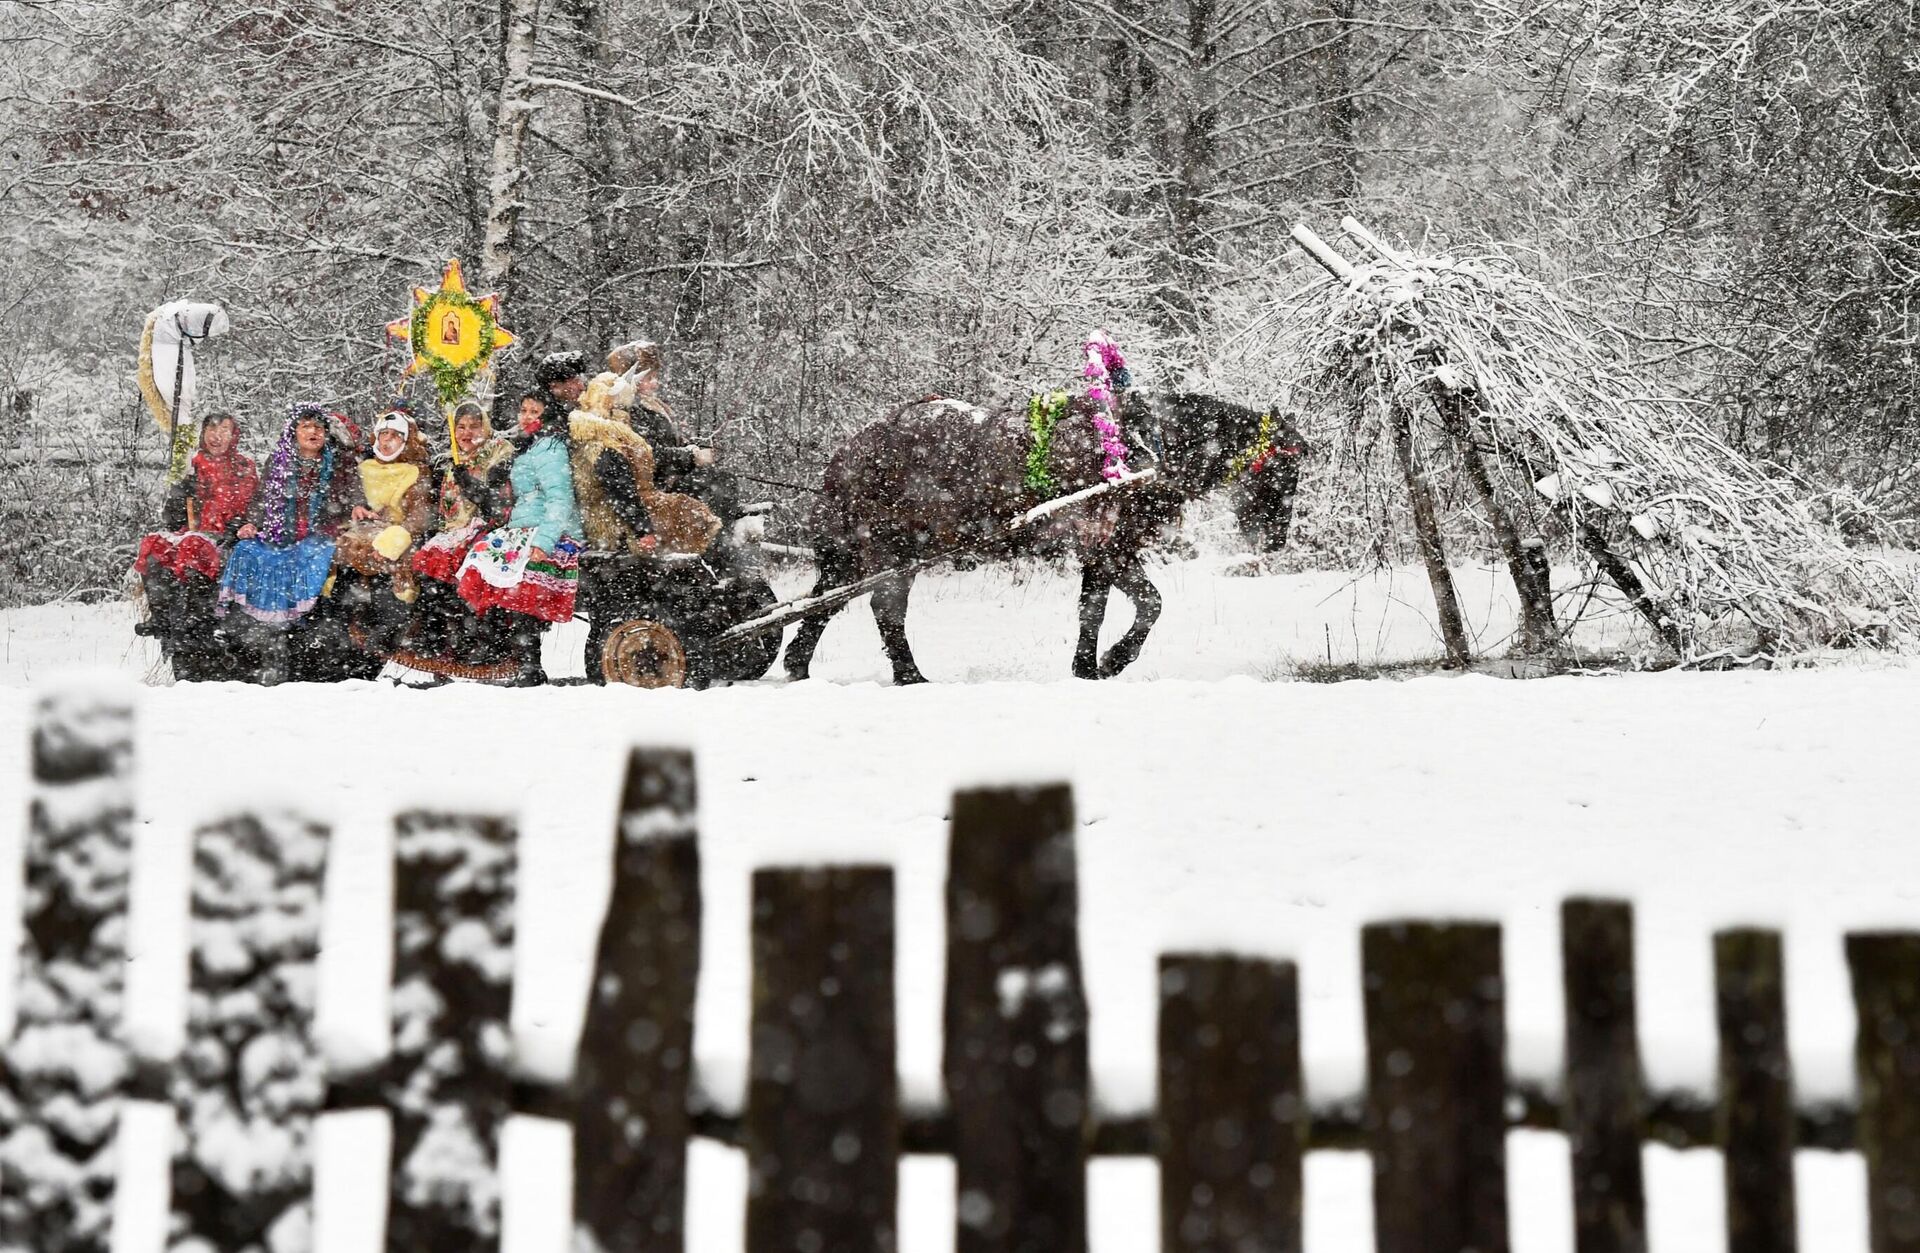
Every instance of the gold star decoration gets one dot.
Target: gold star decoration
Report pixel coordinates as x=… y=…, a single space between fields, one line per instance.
x=452 y=333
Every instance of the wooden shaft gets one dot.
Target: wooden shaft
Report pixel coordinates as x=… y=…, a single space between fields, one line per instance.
x=1323 y=252
x=1537 y=629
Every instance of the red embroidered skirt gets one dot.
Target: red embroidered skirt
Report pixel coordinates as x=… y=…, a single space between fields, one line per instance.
x=181 y=553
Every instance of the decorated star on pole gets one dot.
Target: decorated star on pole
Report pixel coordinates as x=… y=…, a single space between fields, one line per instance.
x=452 y=333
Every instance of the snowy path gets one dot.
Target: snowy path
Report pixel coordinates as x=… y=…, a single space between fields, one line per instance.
x=1216 y=809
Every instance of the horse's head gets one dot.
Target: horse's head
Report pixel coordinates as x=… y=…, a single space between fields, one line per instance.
x=1267 y=482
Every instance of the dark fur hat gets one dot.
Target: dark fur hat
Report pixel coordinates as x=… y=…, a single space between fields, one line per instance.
x=556 y=366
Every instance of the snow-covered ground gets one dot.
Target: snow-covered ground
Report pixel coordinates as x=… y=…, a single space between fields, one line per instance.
x=1219 y=807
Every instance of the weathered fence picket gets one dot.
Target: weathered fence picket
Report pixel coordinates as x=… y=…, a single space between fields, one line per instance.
x=1231 y=1113
x=251 y=1080
x=823 y=1105
x=1015 y=1059
x=1886 y=993
x=1756 y=1124
x=632 y=1078
x=450 y=1080
x=1604 y=1104
x=66 y=1065
x=1436 y=1086
x=823 y=1127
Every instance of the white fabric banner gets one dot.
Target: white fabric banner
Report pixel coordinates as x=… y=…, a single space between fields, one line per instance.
x=176 y=322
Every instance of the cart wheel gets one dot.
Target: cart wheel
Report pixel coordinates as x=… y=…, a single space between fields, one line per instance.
x=640 y=652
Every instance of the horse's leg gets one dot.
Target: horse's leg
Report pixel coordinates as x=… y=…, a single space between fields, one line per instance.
x=1094 y=582
x=1131 y=578
x=890 y=612
x=836 y=567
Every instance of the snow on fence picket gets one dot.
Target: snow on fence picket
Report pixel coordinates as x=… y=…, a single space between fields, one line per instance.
x=823 y=1127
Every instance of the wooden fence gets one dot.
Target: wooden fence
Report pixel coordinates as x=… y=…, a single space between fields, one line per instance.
x=823 y=1126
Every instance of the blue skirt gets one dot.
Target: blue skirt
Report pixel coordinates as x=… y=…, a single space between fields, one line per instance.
x=276 y=584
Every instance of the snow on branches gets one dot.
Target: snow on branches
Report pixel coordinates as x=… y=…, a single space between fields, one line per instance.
x=1490 y=363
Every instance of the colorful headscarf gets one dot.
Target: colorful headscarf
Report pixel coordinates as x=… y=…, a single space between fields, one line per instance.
x=278 y=508
x=223 y=485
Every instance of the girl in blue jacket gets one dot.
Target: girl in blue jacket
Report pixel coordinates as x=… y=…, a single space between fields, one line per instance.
x=532 y=564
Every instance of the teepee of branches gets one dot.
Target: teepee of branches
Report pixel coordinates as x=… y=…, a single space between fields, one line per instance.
x=1470 y=360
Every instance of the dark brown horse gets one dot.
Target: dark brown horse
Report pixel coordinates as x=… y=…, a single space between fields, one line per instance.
x=940 y=475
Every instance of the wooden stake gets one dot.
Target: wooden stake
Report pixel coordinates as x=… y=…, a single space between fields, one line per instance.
x=1530 y=579
x=1231 y=1120
x=823 y=1106
x=1320 y=250
x=1426 y=527
x=1436 y=1086
x=630 y=1122
x=1015 y=1058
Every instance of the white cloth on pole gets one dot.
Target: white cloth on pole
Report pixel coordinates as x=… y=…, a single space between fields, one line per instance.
x=174 y=322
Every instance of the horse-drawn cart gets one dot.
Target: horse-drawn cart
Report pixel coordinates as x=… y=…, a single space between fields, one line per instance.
x=652 y=622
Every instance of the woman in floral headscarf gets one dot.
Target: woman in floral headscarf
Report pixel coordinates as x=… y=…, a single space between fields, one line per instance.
x=280 y=566
x=473 y=494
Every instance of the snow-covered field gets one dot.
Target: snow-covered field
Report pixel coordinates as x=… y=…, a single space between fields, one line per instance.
x=1219 y=806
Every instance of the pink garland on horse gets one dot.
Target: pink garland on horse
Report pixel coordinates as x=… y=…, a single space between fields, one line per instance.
x=1105 y=370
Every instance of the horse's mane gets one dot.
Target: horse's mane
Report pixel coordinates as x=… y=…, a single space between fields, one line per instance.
x=1195 y=436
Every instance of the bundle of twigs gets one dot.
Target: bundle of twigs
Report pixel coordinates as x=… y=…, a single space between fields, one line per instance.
x=1478 y=353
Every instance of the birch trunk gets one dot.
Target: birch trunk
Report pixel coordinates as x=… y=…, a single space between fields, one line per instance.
x=507 y=173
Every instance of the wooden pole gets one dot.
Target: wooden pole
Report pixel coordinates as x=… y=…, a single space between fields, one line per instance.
x=1436 y=1086
x=1886 y=993
x=1426 y=527
x=1525 y=563
x=823 y=1104
x=1230 y=1124
x=631 y=1080
x=1756 y=1120
x=1604 y=1103
x=1015 y=1058
x=1323 y=252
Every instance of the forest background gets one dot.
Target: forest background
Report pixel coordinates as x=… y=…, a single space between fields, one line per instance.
x=823 y=207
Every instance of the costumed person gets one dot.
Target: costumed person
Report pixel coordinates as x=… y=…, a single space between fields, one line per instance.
x=473 y=493
x=531 y=566
x=632 y=383
x=474 y=498
x=394 y=510
x=614 y=469
x=559 y=381
x=280 y=566
x=205 y=509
